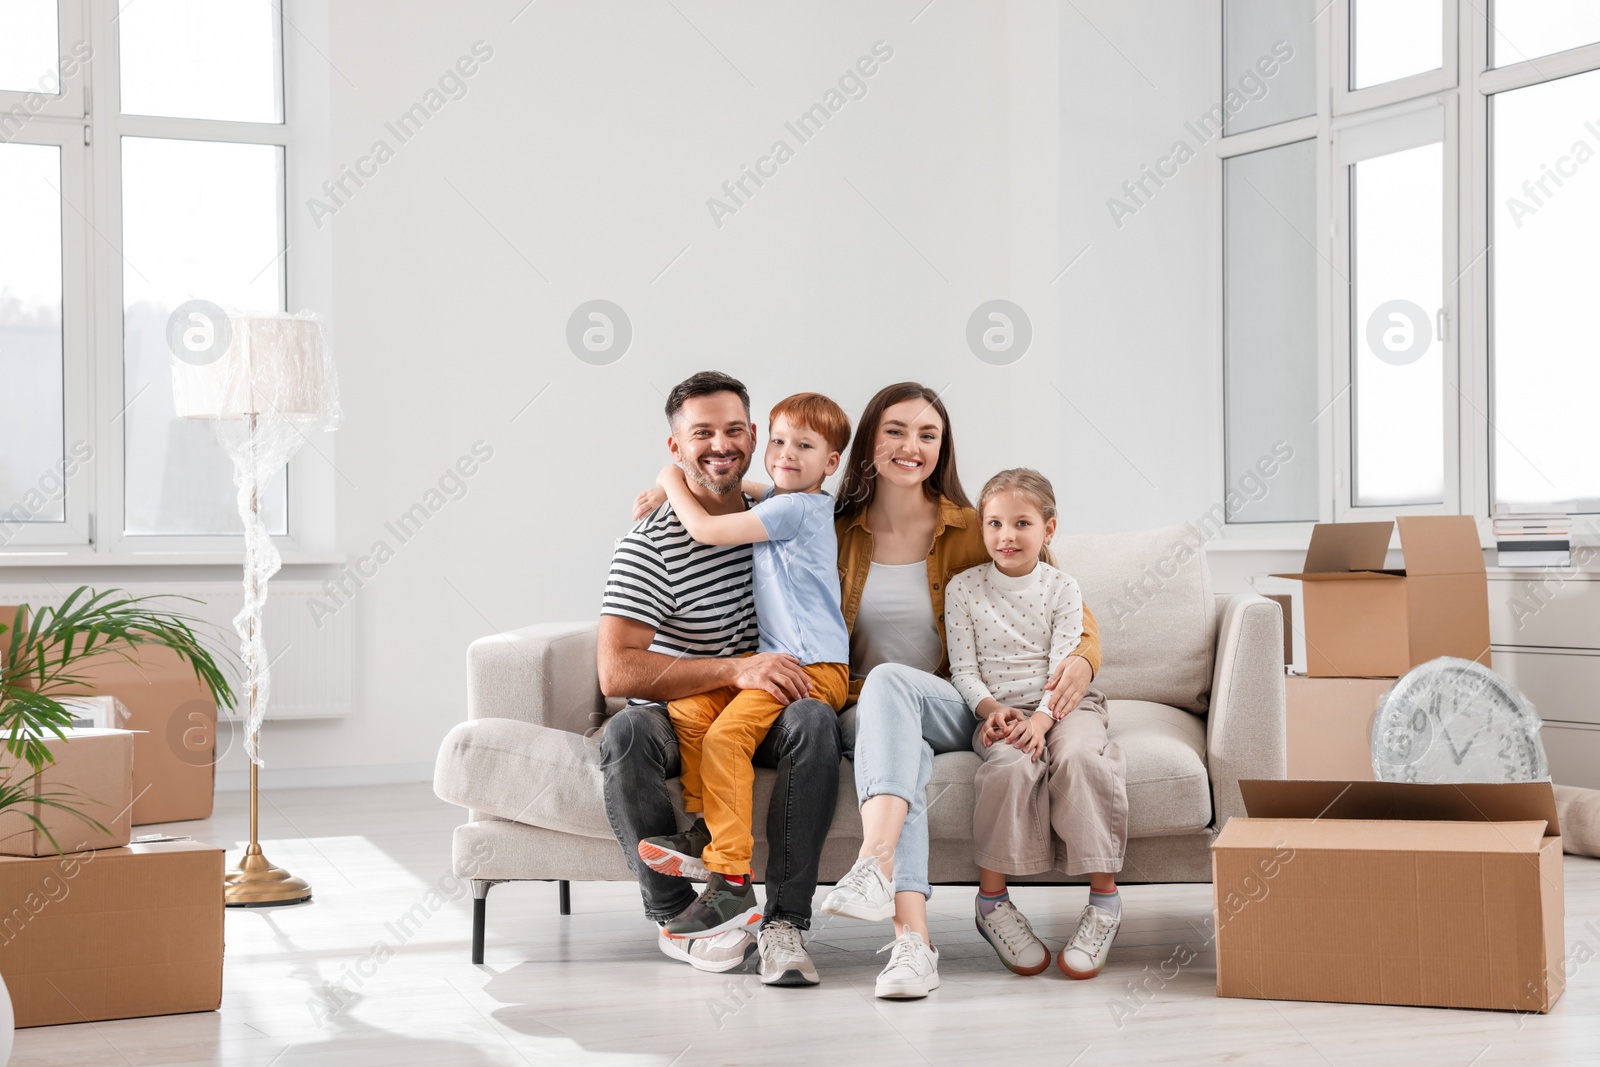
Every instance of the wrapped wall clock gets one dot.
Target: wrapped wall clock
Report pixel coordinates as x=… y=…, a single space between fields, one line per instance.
x=1453 y=720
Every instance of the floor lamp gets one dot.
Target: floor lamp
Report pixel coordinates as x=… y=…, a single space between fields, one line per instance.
x=272 y=384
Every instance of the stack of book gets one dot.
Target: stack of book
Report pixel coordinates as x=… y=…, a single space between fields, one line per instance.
x=1526 y=537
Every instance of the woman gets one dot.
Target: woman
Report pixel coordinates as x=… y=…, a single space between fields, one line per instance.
x=905 y=527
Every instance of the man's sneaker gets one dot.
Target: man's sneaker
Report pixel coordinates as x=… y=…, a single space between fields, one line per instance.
x=1019 y=948
x=863 y=893
x=722 y=906
x=716 y=954
x=678 y=854
x=912 y=970
x=784 y=960
x=1086 y=953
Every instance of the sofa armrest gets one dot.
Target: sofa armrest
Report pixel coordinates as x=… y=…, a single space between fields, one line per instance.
x=1245 y=735
x=541 y=674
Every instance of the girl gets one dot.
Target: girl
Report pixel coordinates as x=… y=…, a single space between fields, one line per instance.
x=1009 y=625
x=905 y=528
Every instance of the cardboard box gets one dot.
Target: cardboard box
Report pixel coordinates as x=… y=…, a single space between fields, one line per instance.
x=1329 y=723
x=174 y=757
x=93 y=773
x=1362 y=621
x=1392 y=893
x=113 y=934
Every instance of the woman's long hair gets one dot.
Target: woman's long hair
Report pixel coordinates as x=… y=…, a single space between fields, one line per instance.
x=861 y=475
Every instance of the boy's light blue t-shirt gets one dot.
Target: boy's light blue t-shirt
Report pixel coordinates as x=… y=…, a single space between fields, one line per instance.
x=797 y=579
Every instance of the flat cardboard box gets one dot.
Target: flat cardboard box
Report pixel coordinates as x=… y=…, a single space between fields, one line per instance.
x=1329 y=723
x=1443 y=896
x=174 y=757
x=104 y=713
x=93 y=773
x=1362 y=621
x=113 y=934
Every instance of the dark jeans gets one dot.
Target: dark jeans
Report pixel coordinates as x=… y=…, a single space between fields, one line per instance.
x=639 y=752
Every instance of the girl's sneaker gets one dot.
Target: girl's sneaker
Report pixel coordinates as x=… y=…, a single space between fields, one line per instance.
x=912 y=970
x=863 y=893
x=1007 y=930
x=1086 y=953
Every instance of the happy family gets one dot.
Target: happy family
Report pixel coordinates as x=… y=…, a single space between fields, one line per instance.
x=778 y=626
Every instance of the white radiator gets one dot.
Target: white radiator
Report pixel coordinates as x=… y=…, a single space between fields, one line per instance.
x=310 y=666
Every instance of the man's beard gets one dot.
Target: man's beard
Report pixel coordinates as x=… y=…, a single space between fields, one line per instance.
x=727 y=484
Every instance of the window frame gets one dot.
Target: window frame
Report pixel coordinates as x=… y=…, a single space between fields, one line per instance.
x=1463 y=87
x=92 y=135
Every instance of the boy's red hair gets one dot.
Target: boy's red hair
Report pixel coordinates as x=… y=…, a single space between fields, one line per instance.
x=814 y=412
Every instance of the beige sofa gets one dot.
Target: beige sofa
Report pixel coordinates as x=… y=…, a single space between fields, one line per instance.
x=1196 y=696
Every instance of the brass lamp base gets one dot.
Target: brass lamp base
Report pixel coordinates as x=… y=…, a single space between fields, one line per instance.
x=257 y=883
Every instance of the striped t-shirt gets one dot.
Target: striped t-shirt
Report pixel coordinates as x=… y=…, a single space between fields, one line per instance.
x=697 y=597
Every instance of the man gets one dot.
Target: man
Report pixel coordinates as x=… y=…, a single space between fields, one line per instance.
x=679 y=619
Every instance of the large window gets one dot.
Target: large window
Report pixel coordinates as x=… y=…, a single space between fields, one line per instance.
x=1447 y=349
x=147 y=150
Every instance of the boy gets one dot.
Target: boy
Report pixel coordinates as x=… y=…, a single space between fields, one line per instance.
x=797 y=610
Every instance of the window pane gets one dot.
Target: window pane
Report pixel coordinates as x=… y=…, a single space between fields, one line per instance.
x=28 y=47
x=1269 y=62
x=1397 y=279
x=200 y=221
x=1544 y=278
x=1270 y=333
x=1528 y=29
x=31 y=429
x=201 y=59
x=1392 y=39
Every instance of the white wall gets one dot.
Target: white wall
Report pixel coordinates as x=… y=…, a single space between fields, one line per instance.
x=587 y=147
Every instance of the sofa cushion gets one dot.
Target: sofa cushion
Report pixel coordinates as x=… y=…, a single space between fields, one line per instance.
x=538 y=776
x=1169 y=791
x=1150 y=591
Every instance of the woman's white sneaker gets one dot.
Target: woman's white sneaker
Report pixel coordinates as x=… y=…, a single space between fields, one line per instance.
x=863 y=893
x=1086 y=953
x=912 y=970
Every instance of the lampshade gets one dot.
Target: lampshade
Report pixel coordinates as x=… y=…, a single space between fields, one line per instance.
x=274 y=365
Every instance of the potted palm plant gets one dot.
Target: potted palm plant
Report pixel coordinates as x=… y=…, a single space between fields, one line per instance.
x=41 y=660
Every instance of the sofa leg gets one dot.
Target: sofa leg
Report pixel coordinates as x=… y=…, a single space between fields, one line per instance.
x=480 y=912
x=564 y=889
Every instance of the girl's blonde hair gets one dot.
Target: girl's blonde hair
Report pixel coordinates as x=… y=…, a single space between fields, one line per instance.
x=1025 y=480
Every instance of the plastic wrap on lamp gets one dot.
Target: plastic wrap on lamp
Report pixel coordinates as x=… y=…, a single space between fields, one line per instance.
x=272 y=387
x=1452 y=721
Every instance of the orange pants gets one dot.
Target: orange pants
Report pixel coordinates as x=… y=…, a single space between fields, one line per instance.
x=718 y=733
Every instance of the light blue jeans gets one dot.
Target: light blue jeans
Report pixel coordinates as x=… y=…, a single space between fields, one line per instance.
x=904 y=718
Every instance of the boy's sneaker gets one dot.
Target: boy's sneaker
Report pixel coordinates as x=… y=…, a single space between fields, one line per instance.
x=1086 y=953
x=716 y=954
x=722 y=906
x=1007 y=930
x=784 y=960
x=678 y=854
x=912 y=970
x=863 y=893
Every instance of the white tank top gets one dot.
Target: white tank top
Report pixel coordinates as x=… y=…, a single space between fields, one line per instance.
x=895 y=623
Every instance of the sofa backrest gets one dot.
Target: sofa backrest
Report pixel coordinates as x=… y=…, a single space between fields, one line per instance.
x=1150 y=591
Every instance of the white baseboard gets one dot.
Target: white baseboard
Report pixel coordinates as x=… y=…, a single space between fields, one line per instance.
x=316 y=777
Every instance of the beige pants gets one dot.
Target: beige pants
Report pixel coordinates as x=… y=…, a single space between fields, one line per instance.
x=1078 y=787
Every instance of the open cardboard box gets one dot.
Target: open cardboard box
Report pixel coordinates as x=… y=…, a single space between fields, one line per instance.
x=1392 y=893
x=1362 y=621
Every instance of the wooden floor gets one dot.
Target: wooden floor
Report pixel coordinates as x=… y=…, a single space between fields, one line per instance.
x=592 y=987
